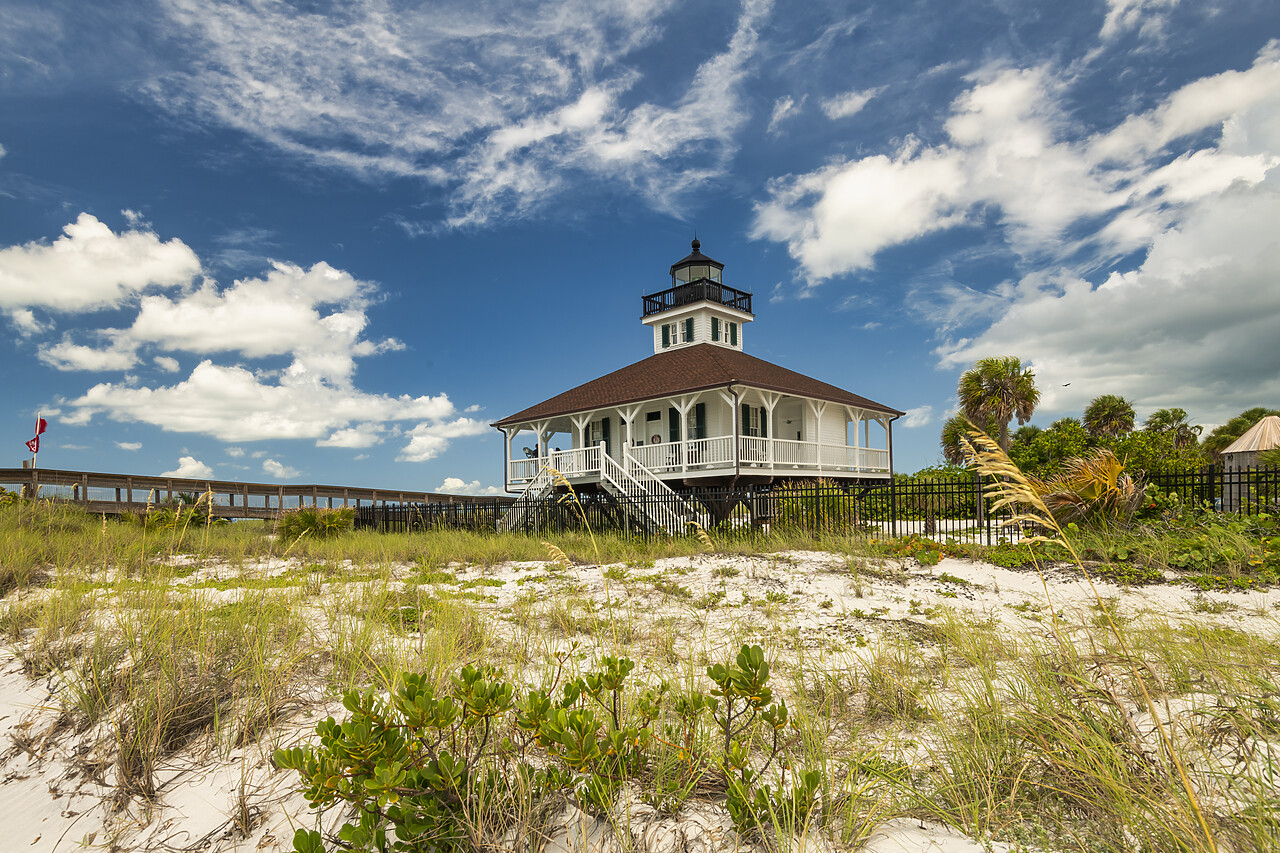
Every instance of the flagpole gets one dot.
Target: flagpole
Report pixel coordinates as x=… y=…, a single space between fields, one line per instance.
x=37 y=433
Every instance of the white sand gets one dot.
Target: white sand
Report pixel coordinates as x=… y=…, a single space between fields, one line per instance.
x=53 y=800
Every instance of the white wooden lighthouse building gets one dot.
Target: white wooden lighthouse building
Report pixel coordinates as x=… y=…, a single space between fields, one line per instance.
x=700 y=412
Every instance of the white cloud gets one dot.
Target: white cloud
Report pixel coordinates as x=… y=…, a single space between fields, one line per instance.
x=273 y=468
x=120 y=353
x=917 y=417
x=24 y=320
x=499 y=105
x=1194 y=326
x=849 y=103
x=1214 y=101
x=429 y=440
x=189 y=466
x=830 y=227
x=364 y=435
x=1013 y=151
x=277 y=314
x=783 y=108
x=235 y=452
x=458 y=486
x=315 y=315
x=1146 y=16
x=129 y=445
x=90 y=267
x=233 y=404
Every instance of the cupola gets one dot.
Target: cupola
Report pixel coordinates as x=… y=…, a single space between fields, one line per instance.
x=696 y=267
x=698 y=308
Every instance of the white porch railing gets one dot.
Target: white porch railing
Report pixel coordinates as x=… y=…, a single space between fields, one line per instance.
x=576 y=463
x=708 y=454
x=659 y=458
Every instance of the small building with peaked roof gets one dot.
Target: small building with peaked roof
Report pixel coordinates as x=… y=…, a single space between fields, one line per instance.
x=698 y=413
x=1242 y=454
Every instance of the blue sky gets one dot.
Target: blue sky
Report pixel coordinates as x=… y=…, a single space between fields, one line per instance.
x=332 y=242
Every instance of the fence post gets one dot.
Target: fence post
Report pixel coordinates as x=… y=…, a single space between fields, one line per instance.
x=893 y=508
x=980 y=507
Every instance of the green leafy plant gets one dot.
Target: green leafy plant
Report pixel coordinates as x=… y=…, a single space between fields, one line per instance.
x=1091 y=490
x=315 y=522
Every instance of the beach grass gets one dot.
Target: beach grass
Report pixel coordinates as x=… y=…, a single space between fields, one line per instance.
x=1088 y=728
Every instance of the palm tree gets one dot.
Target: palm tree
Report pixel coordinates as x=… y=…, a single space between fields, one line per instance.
x=996 y=389
x=956 y=428
x=1174 y=423
x=1108 y=415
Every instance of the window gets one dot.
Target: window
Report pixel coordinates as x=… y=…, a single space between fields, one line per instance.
x=687 y=335
x=598 y=432
x=668 y=334
x=696 y=421
x=715 y=328
x=755 y=421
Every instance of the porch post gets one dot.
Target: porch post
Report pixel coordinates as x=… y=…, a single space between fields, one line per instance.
x=683 y=405
x=771 y=401
x=857 y=448
x=540 y=430
x=817 y=408
x=580 y=423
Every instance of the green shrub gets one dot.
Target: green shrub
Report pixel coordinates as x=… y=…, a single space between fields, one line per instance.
x=456 y=771
x=314 y=522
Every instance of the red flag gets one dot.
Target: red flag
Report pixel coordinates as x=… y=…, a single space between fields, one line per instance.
x=41 y=426
x=34 y=445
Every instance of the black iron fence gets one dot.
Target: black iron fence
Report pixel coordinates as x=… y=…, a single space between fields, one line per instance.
x=479 y=515
x=1248 y=490
x=939 y=508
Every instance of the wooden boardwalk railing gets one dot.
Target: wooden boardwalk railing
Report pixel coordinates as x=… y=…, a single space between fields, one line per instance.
x=114 y=494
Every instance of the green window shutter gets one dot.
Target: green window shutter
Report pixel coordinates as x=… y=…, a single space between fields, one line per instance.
x=673 y=424
x=666 y=336
x=733 y=334
x=715 y=328
x=764 y=423
x=700 y=420
x=688 y=329
x=604 y=432
x=746 y=419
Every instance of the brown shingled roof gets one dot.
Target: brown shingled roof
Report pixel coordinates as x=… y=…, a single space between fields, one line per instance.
x=685 y=370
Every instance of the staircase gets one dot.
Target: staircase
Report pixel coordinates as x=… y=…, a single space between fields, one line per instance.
x=535 y=493
x=641 y=494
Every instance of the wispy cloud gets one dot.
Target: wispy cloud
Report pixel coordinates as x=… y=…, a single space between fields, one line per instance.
x=849 y=103
x=498 y=105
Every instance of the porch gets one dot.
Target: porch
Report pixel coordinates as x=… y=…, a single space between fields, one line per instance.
x=710 y=457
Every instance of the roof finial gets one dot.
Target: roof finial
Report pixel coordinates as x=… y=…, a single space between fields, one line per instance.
x=695 y=244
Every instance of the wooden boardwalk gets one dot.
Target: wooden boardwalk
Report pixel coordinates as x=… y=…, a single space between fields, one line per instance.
x=115 y=494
